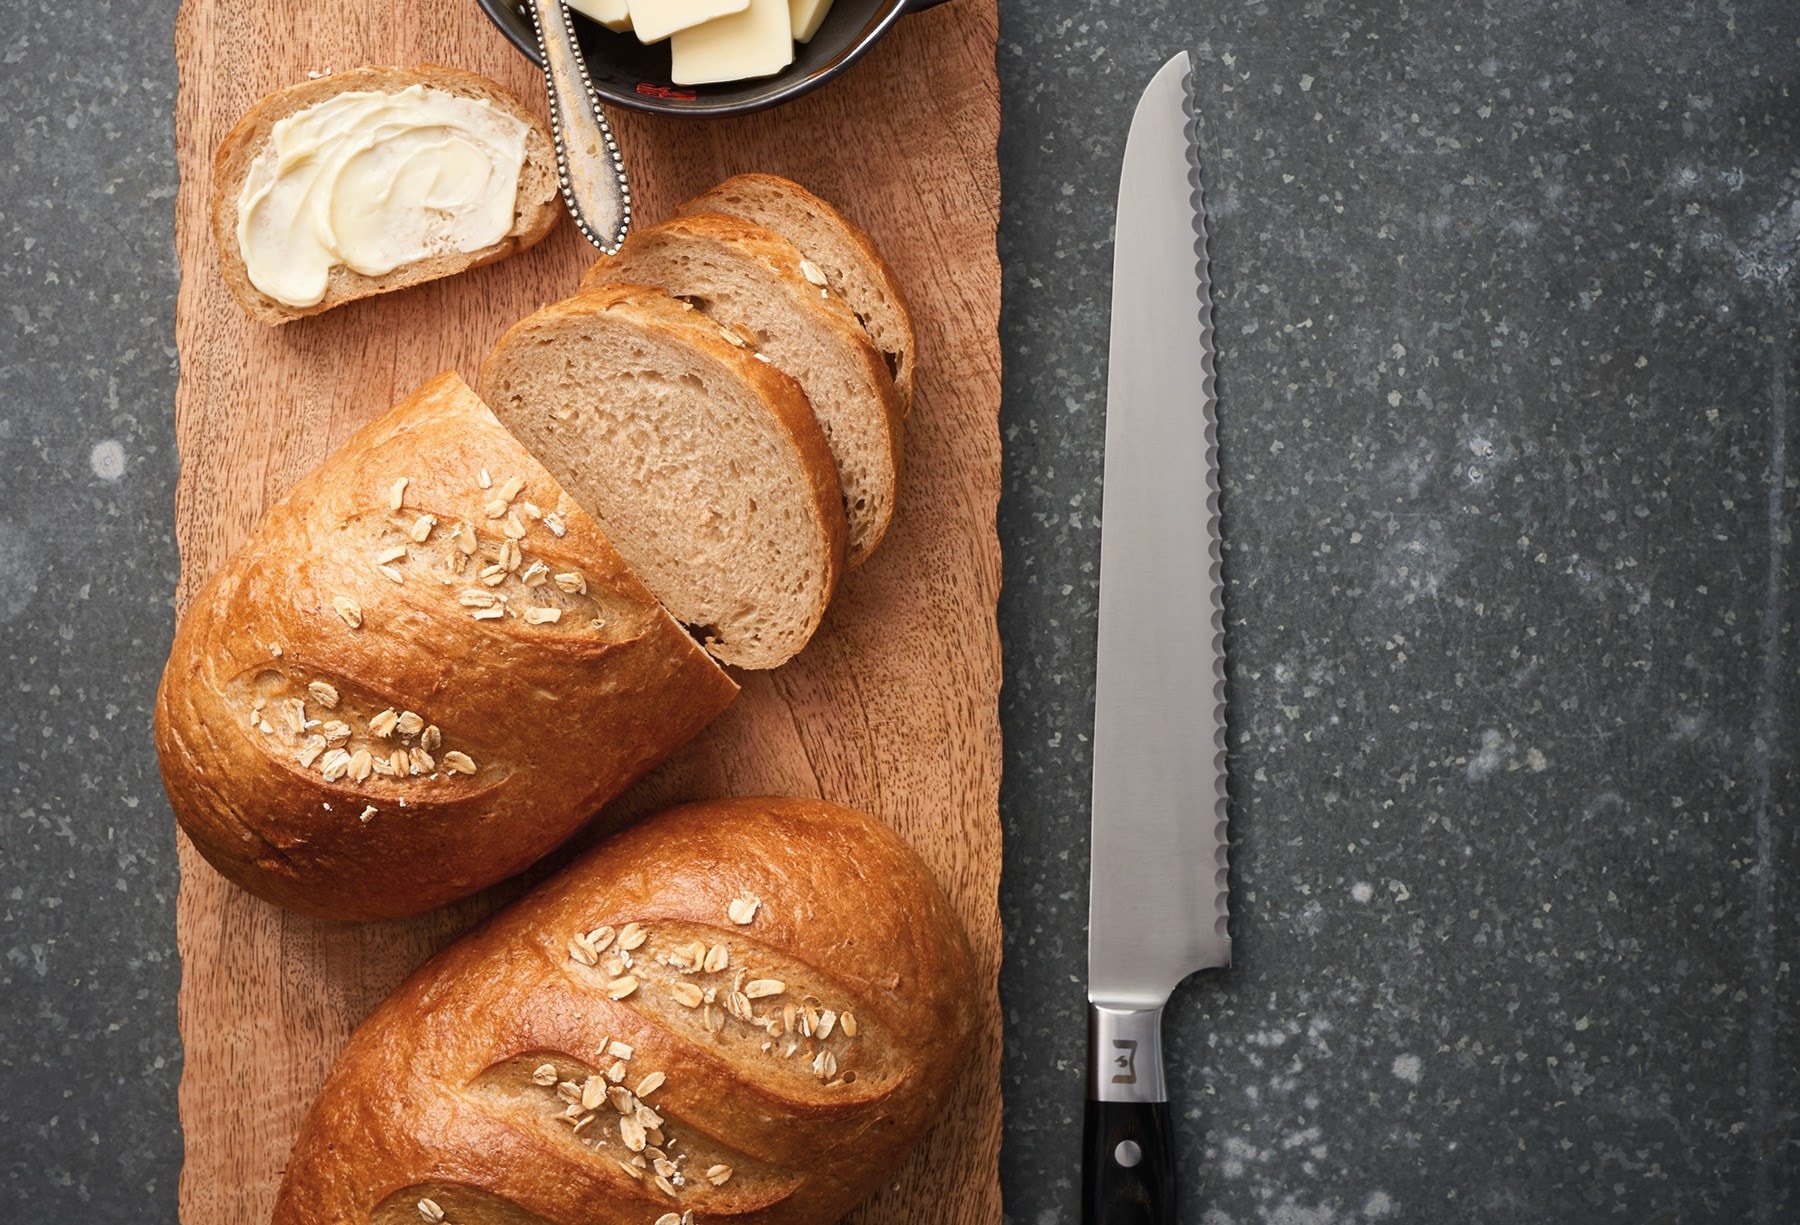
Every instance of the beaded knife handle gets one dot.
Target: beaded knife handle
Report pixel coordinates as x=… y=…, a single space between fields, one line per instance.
x=588 y=166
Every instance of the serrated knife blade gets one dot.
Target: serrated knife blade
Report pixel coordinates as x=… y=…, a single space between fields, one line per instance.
x=1157 y=906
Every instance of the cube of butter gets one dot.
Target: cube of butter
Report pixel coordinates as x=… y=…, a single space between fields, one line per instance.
x=655 y=20
x=610 y=13
x=754 y=43
x=806 y=16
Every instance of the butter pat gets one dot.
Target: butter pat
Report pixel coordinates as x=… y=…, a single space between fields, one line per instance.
x=373 y=181
x=655 y=20
x=754 y=43
x=806 y=15
x=610 y=13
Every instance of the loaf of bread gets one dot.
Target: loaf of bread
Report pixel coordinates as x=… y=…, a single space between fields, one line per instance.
x=425 y=669
x=853 y=269
x=754 y=281
x=737 y=1011
x=535 y=208
x=704 y=465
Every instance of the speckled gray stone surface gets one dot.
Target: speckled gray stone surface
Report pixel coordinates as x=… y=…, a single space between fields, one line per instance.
x=1505 y=310
x=88 y=1049
x=1506 y=357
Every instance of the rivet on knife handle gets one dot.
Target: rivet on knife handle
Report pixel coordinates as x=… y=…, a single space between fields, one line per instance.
x=588 y=166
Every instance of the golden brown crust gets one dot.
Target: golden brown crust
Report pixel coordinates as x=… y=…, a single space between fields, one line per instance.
x=739 y=195
x=434 y=1096
x=655 y=311
x=867 y=369
x=554 y=717
x=536 y=212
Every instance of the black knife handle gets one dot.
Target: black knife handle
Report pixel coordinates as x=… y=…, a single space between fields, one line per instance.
x=1128 y=1145
x=1141 y=1193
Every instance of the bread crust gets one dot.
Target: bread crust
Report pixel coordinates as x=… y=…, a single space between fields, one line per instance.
x=433 y=1097
x=655 y=311
x=737 y=195
x=556 y=718
x=535 y=212
x=827 y=311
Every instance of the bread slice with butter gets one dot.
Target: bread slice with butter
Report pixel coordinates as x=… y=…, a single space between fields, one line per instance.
x=279 y=270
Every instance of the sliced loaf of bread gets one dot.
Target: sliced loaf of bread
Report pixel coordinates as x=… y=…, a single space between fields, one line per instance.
x=703 y=464
x=757 y=283
x=852 y=267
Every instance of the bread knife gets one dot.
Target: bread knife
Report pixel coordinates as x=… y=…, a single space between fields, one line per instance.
x=588 y=166
x=1157 y=902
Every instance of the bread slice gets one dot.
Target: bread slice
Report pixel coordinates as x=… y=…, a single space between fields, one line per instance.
x=535 y=210
x=755 y=281
x=853 y=268
x=702 y=464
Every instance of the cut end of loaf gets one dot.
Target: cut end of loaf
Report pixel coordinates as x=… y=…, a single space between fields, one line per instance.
x=703 y=466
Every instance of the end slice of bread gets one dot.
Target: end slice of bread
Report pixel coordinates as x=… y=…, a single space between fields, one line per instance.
x=703 y=465
x=853 y=268
x=534 y=211
x=753 y=281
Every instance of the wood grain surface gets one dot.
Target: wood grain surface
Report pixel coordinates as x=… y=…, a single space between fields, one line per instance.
x=892 y=709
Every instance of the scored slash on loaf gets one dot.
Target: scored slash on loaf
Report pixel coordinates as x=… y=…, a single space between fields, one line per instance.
x=507 y=1080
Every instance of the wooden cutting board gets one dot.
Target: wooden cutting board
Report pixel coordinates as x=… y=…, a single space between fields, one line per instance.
x=892 y=709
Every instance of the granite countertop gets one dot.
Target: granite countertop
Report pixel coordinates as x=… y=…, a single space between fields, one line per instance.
x=1506 y=317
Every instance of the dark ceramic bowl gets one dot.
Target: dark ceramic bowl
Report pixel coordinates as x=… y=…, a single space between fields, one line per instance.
x=625 y=72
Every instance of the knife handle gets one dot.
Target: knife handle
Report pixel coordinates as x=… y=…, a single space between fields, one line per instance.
x=1128 y=1145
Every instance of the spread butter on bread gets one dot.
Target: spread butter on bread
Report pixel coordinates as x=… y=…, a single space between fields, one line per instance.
x=372 y=180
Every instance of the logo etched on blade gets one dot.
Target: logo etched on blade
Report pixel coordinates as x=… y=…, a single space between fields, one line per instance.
x=1127 y=1061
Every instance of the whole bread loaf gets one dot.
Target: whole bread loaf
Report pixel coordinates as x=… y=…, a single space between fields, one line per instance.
x=425 y=669
x=535 y=210
x=737 y=1011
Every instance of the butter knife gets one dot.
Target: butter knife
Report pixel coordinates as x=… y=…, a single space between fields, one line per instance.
x=588 y=166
